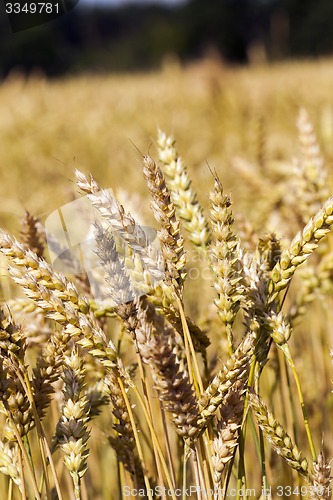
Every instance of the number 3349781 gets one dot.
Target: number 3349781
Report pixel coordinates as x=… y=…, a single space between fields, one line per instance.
x=32 y=8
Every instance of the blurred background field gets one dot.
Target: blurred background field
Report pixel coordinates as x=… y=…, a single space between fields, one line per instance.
x=216 y=113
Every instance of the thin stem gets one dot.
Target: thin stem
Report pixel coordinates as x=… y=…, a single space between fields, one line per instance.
x=305 y=414
x=199 y=460
x=263 y=465
x=287 y=353
x=42 y=438
x=196 y=475
x=147 y=400
x=184 y=472
x=10 y=489
x=119 y=481
x=24 y=455
x=27 y=388
x=136 y=436
x=167 y=445
x=23 y=491
x=153 y=434
x=241 y=480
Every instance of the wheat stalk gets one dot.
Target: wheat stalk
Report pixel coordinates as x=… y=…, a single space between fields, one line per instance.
x=156 y=341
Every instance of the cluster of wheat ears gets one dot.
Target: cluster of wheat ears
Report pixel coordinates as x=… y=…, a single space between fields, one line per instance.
x=174 y=414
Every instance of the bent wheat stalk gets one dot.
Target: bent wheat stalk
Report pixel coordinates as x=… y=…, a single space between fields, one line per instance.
x=301 y=247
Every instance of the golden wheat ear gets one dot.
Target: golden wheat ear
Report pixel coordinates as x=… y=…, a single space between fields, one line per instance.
x=182 y=194
x=301 y=247
x=32 y=233
x=172 y=243
x=280 y=441
x=225 y=258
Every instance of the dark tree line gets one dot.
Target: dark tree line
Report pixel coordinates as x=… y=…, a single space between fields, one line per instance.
x=137 y=37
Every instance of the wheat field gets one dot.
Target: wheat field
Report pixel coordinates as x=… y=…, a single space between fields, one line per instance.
x=192 y=357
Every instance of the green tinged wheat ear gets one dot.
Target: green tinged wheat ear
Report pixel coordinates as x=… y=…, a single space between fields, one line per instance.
x=280 y=441
x=225 y=260
x=182 y=194
x=301 y=247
